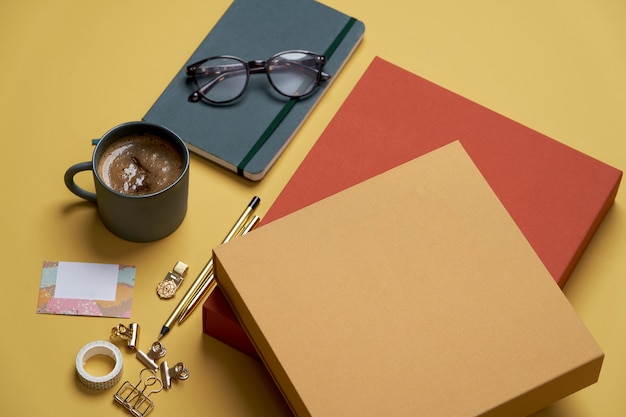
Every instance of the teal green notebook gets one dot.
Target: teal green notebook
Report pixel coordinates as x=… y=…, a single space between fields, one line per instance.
x=247 y=136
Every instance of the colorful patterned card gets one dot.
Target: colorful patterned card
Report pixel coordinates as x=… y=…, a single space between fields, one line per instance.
x=86 y=289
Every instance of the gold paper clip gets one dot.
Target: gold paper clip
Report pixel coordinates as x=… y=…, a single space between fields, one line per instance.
x=167 y=288
x=135 y=398
x=130 y=334
x=179 y=371
x=157 y=351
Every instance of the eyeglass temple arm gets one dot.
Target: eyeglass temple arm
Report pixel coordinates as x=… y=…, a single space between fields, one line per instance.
x=258 y=67
x=214 y=70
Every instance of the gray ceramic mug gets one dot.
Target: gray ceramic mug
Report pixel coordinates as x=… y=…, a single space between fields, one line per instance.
x=135 y=199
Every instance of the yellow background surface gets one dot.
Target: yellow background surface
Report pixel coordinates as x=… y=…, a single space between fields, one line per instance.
x=70 y=70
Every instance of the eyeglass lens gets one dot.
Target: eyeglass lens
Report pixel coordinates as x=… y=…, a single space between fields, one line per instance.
x=293 y=74
x=221 y=79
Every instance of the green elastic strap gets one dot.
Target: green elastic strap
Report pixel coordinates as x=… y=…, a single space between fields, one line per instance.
x=289 y=104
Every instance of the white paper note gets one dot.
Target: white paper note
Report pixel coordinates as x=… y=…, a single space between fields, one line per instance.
x=86 y=281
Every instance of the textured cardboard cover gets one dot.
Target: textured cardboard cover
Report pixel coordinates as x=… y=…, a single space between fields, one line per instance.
x=412 y=293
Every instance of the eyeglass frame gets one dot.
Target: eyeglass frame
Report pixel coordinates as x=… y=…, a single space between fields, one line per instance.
x=256 y=67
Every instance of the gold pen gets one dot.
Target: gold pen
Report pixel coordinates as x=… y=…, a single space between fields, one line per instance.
x=207 y=271
x=209 y=285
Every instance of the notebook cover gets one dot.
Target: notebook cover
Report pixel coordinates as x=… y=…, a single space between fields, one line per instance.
x=556 y=195
x=234 y=136
x=413 y=293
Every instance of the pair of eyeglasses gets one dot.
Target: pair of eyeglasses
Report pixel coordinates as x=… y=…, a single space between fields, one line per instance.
x=223 y=79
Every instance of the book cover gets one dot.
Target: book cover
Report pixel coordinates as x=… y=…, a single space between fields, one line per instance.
x=411 y=293
x=248 y=135
x=556 y=195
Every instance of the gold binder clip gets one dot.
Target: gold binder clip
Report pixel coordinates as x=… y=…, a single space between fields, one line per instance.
x=179 y=372
x=130 y=334
x=135 y=398
x=167 y=288
x=157 y=351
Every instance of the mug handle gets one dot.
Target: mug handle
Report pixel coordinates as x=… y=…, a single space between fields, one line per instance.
x=71 y=185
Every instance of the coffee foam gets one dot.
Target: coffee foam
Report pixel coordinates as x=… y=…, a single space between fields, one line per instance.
x=140 y=164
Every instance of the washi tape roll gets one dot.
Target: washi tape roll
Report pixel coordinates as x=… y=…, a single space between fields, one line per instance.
x=99 y=347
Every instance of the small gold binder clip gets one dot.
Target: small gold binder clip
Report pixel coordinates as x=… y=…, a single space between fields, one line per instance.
x=135 y=398
x=157 y=351
x=179 y=372
x=167 y=288
x=130 y=334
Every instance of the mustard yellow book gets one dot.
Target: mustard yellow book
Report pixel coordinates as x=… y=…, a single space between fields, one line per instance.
x=410 y=294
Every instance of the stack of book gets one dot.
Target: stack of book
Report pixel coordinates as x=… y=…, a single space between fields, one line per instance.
x=400 y=261
x=411 y=293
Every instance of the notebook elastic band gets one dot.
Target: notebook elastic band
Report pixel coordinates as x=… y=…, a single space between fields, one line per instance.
x=289 y=104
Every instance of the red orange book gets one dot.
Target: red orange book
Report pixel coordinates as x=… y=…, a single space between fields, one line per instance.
x=556 y=195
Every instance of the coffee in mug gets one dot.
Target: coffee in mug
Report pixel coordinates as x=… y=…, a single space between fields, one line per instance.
x=139 y=164
x=141 y=178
